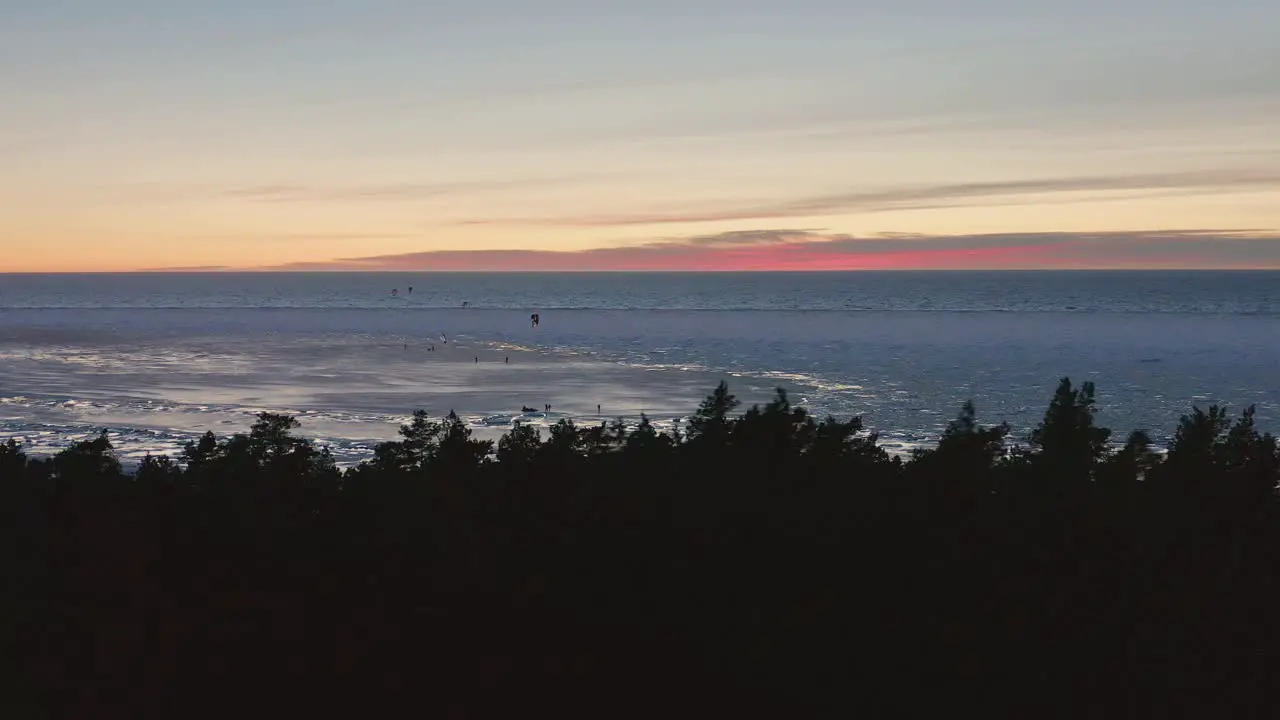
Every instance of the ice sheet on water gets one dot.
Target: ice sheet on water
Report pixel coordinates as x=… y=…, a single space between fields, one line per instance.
x=159 y=377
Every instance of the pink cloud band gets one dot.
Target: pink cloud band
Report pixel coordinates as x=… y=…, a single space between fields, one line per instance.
x=812 y=250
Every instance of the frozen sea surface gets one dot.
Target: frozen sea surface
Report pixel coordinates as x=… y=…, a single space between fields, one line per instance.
x=159 y=359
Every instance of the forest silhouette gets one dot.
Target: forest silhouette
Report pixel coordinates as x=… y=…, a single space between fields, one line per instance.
x=761 y=563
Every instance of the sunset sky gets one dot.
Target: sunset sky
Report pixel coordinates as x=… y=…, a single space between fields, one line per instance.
x=590 y=134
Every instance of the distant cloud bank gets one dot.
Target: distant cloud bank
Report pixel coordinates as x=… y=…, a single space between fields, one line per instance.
x=932 y=197
x=814 y=249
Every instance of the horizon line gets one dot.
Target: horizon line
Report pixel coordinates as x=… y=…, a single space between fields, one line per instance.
x=606 y=271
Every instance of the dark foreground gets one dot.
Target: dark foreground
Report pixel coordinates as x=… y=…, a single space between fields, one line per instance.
x=762 y=564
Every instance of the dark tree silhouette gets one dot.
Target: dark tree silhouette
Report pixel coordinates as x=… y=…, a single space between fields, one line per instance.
x=761 y=563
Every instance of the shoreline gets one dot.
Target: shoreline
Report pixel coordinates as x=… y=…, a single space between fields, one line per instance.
x=356 y=398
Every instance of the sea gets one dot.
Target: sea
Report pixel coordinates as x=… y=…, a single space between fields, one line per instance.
x=157 y=359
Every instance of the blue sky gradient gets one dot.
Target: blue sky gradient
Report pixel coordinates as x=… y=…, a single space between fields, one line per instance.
x=141 y=133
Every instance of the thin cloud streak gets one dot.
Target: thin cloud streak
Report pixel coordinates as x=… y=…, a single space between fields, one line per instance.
x=926 y=197
x=189 y=269
x=303 y=193
x=288 y=192
x=297 y=237
x=787 y=249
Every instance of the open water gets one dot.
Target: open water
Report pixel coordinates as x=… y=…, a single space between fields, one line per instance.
x=160 y=358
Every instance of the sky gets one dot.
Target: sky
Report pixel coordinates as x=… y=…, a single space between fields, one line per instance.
x=595 y=135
